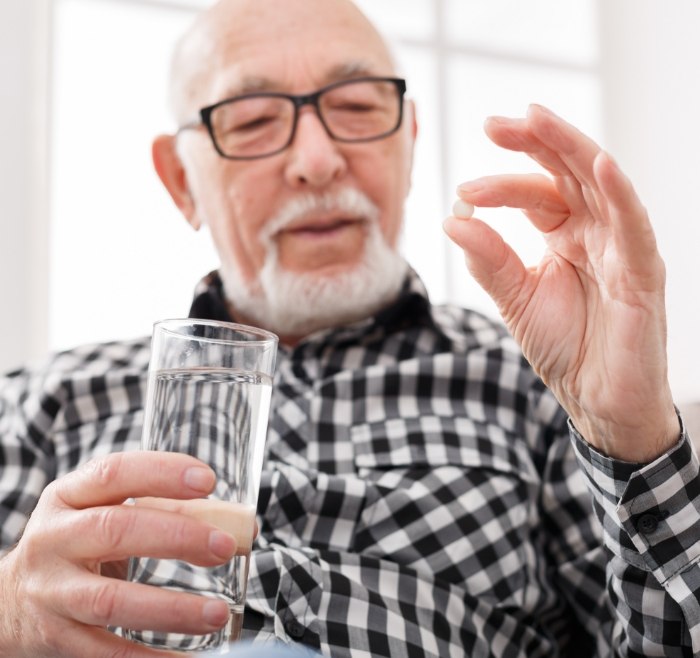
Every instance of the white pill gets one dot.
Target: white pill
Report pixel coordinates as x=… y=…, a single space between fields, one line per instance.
x=462 y=209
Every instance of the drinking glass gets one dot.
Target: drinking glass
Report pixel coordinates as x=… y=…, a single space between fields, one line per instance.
x=209 y=388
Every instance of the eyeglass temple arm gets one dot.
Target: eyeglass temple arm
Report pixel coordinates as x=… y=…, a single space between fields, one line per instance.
x=190 y=125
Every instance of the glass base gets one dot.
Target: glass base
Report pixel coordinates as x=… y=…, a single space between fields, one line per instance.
x=213 y=643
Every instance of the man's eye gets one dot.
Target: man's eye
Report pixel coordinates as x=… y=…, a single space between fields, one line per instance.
x=258 y=123
x=354 y=106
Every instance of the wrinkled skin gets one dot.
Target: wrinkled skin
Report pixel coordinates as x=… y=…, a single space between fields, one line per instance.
x=590 y=317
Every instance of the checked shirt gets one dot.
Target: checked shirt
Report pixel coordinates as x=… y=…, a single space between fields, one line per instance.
x=422 y=494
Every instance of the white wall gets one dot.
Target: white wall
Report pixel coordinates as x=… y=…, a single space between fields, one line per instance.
x=651 y=99
x=650 y=56
x=23 y=248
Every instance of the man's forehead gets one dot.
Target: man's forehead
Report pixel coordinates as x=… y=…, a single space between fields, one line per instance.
x=235 y=82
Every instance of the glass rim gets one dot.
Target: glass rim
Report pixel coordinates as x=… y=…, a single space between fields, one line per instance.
x=264 y=337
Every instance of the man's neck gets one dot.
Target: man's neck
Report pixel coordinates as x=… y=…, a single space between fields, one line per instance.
x=241 y=318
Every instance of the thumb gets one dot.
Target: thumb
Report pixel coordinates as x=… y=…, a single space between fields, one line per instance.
x=490 y=260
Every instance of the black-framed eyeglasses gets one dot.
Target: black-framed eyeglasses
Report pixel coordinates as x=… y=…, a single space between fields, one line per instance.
x=257 y=125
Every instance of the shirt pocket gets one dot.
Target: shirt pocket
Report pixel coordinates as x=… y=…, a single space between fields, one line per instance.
x=451 y=497
x=432 y=441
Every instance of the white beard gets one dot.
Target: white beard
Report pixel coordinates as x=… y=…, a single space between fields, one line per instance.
x=294 y=304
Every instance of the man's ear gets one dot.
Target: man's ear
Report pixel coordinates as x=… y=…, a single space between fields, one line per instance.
x=172 y=173
x=412 y=133
x=411 y=110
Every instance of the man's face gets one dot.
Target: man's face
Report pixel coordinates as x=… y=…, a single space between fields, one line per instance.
x=294 y=47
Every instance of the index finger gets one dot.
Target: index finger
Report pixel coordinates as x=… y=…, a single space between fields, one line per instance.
x=516 y=134
x=110 y=480
x=550 y=140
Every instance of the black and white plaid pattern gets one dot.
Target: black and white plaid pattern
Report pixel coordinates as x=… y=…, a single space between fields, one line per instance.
x=420 y=496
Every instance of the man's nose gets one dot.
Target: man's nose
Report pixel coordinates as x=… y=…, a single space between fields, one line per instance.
x=315 y=159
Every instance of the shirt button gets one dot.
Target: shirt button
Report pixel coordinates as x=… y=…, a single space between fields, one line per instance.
x=647 y=523
x=294 y=629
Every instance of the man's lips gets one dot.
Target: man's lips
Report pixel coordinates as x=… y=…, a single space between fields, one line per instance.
x=320 y=227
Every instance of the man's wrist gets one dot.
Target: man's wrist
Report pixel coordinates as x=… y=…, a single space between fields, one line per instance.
x=640 y=445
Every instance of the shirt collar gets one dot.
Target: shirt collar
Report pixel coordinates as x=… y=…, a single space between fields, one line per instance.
x=410 y=308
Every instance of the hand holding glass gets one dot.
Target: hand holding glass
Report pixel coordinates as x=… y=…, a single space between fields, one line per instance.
x=209 y=387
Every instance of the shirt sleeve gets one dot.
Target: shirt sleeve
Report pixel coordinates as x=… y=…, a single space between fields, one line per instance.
x=650 y=514
x=60 y=412
x=26 y=454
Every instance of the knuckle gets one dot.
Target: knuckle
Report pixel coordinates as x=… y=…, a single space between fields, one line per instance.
x=52 y=497
x=111 y=525
x=182 y=533
x=186 y=538
x=179 y=536
x=32 y=548
x=33 y=556
x=104 y=470
x=49 y=492
x=44 y=638
x=104 y=602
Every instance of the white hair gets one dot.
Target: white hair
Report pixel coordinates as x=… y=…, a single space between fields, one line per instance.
x=298 y=303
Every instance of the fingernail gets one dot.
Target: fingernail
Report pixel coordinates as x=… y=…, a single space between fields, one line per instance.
x=494 y=118
x=222 y=544
x=215 y=613
x=200 y=478
x=470 y=187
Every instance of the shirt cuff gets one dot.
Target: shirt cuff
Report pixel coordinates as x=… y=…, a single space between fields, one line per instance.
x=650 y=512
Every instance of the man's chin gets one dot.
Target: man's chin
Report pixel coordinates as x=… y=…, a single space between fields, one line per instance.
x=302 y=304
x=296 y=304
x=329 y=271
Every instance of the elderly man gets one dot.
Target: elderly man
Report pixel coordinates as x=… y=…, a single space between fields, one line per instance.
x=423 y=494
